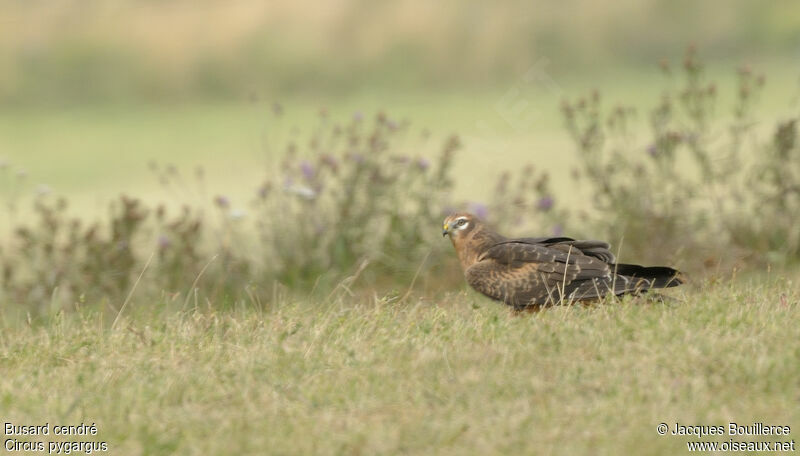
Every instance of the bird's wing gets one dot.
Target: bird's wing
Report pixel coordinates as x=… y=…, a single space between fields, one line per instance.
x=557 y=257
x=521 y=273
x=597 y=249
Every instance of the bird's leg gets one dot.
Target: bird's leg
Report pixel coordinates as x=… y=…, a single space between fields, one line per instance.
x=521 y=311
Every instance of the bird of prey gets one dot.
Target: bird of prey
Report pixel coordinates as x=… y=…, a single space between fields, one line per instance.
x=536 y=272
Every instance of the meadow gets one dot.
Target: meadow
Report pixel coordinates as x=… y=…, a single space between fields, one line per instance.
x=258 y=321
x=452 y=375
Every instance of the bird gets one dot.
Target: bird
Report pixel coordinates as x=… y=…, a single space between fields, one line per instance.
x=535 y=272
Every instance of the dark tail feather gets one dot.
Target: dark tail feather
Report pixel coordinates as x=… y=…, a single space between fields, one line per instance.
x=658 y=276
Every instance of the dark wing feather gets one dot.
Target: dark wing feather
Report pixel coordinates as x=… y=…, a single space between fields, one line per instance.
x=597 y=249
x=525 y=273
x=657 y=276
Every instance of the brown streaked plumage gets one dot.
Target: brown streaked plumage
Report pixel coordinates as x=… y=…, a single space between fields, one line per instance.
x=545 y=271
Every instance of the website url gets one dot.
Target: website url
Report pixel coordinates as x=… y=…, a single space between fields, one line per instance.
x=732 y=445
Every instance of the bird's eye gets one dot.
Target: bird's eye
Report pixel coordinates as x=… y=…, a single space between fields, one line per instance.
x=461 y=222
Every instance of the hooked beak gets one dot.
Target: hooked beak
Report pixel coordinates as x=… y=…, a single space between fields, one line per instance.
x=445 y=230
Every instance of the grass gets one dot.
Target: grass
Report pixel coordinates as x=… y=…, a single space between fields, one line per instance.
x=459 y=375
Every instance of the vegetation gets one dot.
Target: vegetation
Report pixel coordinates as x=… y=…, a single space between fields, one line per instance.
x=693 y=184
x=351 y=200
x=348 y=199
x=458 y=375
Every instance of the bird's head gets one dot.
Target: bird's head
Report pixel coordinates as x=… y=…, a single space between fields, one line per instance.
x=469 y=235
x=459 y=225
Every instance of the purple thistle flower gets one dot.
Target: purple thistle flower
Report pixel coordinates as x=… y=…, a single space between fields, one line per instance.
x=545 y=203
x=264 y=190
x=558 y=230
x=423 y=164
x=479 y=209
x=163 y=241
x=652 y=150
x=307 y=169
x=358 y=116
x=222 y=201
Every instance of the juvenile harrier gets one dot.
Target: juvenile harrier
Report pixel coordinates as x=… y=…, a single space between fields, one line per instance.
x=544 y=271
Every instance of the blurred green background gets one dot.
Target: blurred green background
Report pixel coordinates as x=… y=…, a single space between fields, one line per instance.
x=91 y=91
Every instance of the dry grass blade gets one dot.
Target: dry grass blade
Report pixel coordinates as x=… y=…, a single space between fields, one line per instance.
x=189 y=293
x=414 y=280
x=133 y=288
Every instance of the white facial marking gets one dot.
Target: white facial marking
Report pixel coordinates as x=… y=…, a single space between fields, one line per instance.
x=461 y=223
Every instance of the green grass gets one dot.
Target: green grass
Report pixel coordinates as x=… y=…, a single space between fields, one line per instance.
x=459 y=375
